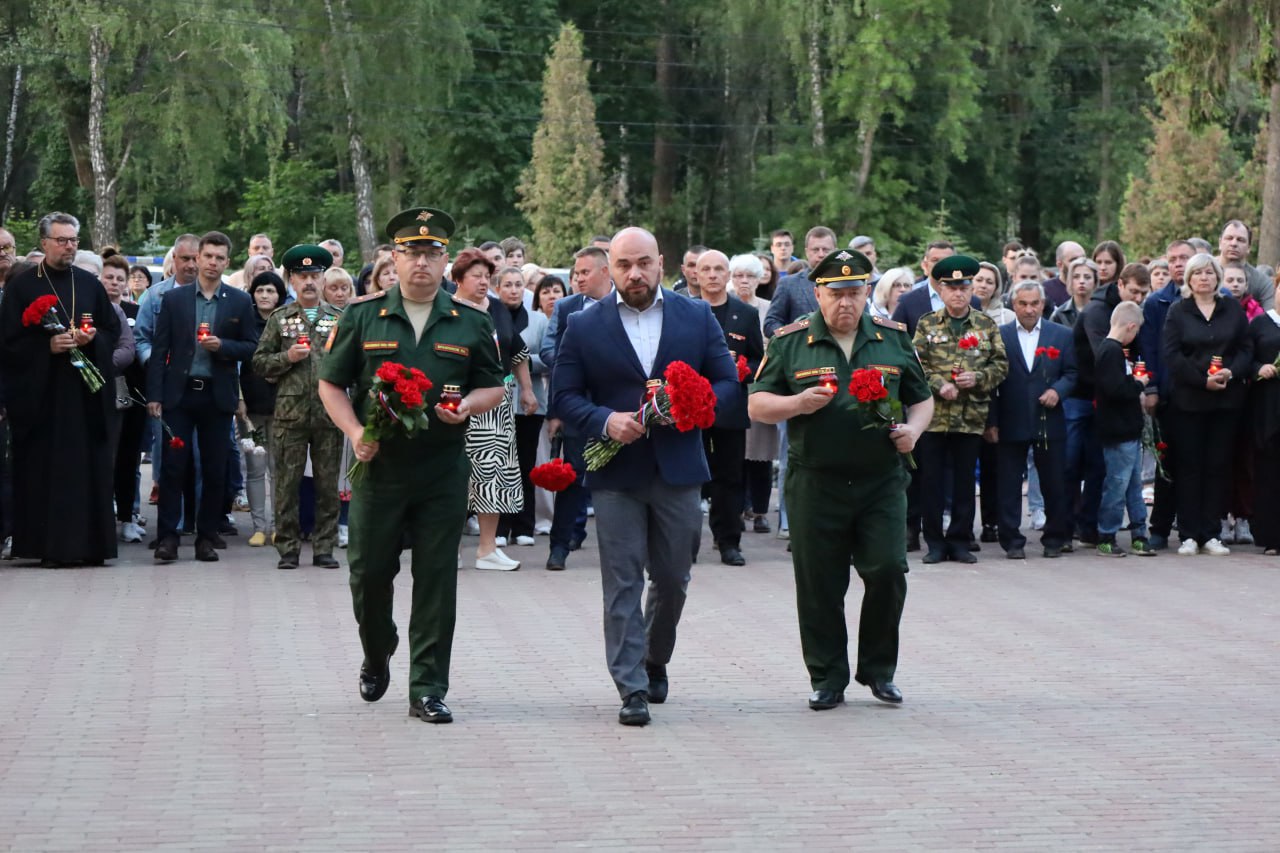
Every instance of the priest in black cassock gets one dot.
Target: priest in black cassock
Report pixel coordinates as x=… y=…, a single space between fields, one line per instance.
x=62 y=479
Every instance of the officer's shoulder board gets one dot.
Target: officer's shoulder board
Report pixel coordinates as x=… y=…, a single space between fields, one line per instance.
x=792 y=327
x=889 y=324
x=366 y=298
x=463 y=302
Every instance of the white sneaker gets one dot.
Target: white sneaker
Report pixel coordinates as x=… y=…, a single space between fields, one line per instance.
x=344 y=535
x=1214 y=548
x=497 y=562
x=6 y=552
x=129 y=532
x=705 y=506
x=1188 y=548
x=1037 y=520
x=472 y=528
x=524 y=540
x=591 y=511
x=140 y=520
x=1228 y=532
x=500 y=541
x=542 y=530
x=1244 y=536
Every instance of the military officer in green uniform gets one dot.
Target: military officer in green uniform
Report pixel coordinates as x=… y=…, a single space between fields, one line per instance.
x=412 y=486
x=845 y=486
x=290 y=353
x=963 y=357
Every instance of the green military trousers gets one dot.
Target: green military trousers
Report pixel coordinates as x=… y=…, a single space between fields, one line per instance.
x=289 y=443
x=421 y=493
x=835 y=519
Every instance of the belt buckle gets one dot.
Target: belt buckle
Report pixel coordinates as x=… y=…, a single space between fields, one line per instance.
x=197 y=384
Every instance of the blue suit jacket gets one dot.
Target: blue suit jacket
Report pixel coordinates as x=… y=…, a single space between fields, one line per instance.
x=551 y=338
x=792 y=299
x=1016 y=409
x=597 y=373
x=174 y=345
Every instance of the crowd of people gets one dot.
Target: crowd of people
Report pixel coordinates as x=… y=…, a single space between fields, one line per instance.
x=1071 y=385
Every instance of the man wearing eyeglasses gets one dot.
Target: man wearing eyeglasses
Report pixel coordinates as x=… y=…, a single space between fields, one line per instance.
x=8 y=254
x=410 y=486
x=61 y=456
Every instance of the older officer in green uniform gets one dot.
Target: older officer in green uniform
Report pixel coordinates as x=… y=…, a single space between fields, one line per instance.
x=290 y=353
x=845 y=485
x=963 y=358
x=416 y=486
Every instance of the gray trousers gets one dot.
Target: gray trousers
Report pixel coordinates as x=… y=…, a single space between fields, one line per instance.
x=655 y=527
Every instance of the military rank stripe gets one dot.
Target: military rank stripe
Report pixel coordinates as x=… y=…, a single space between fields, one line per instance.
x=456 y=349
x=887 y=368
x=377 y=346
x=813 y=371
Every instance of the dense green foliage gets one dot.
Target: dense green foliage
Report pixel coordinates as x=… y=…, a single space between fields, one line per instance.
x=719 y=120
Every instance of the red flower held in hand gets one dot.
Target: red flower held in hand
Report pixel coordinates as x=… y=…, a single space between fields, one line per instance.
x=177 y=443
x=867 y=385
x=34 y=313
x=554 y=476
x=743 y=370
x=969 y=341
x=420 y=379
x=390 y=371
x=411 y=398
x=1161 y=446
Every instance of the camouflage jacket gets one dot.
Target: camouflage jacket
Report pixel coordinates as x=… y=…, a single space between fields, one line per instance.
x=297 y=398
x=941 y=354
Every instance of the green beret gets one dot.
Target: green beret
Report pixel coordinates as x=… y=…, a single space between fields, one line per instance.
x=420 y=225
x=845 y=268
x=956 y=269
x=307 y=258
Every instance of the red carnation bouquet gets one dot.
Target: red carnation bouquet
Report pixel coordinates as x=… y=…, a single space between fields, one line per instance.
x=969 y=341
x=40 y=313
x=868 y=388
x=554 y=476
x=398 y=406
x=683 y=400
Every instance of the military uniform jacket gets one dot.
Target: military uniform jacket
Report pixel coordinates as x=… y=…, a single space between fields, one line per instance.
x=834 y=438
x=457 y=348
x=940 y=353
x=297 y=401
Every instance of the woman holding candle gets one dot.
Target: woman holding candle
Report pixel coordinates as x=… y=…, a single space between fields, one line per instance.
x=1208 y=353
x=259 y=396
x=495 y=485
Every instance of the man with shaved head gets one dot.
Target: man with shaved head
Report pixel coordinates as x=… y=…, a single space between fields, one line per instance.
x=646 y=497
x=726 y=442
x=1055 y=289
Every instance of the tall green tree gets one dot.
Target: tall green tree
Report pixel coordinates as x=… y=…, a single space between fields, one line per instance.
x=563 y=192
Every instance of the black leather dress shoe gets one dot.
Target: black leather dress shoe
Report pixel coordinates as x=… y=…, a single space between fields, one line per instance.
x=167 y=550
x=657 y=682
x=555 y=563
x=935 y=556
x=913 y=542
x=1016 y=554
x=1052 y=551
x=760 y=525
x=825 y=700
x=325 y=561
x=973 y=544
x=732 y=557
x=431 y=709
x=375 y=678
x=882 y=689
x=218 y=542
x=205 y=552
x=635 y=710
x=226 y=528
x=989 y=533
x=288 y=561
x=963 y=555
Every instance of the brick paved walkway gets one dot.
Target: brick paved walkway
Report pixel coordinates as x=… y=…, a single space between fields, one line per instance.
x=1076 y=705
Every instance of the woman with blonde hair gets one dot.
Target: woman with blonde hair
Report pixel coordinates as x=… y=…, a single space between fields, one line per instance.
x=890 y=287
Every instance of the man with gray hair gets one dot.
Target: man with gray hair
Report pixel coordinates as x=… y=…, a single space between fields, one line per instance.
x=1026 y=414
x=62 y=473
x=335 y=249
x=8 y=253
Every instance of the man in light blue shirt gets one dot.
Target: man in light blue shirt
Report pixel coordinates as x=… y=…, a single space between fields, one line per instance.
x=185 y=268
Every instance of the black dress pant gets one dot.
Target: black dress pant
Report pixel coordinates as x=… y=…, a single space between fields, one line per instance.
x=726 y=449
x=1266 y=501
x=1164 y=506
x=758 y=474
x=128 y=450
x=198 y=414
x=1202 y=445
x=989 y=484
x=1050 y=458
x=528 y=429
x=937 y=453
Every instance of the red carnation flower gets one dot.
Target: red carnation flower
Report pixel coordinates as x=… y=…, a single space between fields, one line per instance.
x=1040 y=351
x=34 y=313
x=1053 y=353
x=390 y=371
x=867 y=385
x=554 y=476
x=1161 y=446
x=404 y=386
x=743 y=370
x=177 y=443
x=969 y=341
x=411 y=399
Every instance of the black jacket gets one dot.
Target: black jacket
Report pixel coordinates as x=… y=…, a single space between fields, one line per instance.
x=1117 y=416
x=259 y=394
x=742 y=335
x=1264 y=398
x=1191 y=342
x=174 y=346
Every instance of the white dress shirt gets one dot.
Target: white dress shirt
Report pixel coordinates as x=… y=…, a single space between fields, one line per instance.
x=643 y=328
x=1029 y=341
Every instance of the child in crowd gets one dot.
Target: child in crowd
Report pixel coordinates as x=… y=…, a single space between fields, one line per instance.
x=1118 y=420
x=1236 y=281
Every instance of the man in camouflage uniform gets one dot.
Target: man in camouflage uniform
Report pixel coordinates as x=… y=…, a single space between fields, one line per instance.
x=289 y=354
x=964 y=360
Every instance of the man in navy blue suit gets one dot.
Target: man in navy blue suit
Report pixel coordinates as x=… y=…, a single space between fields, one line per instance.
x=1027 y=412
x=569 y=519
x=202 y=334
x=646 y=498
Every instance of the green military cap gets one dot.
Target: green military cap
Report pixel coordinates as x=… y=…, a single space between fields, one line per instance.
x=845 y=268
x=955 y=270
x=307 y=258
x=420 y=225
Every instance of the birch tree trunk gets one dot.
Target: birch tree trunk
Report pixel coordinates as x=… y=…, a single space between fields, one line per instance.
x=359 y=162
x=1269 y=230
x=104 y=196
x=10 y=134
